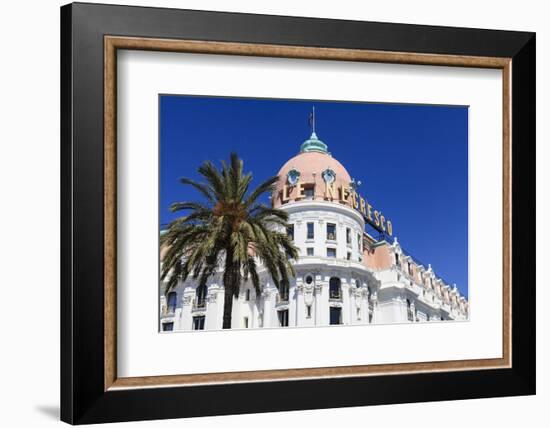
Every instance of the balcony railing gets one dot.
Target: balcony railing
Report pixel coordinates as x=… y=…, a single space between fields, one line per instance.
x=282 y=298
x=168 y=311
x=335 y=295
x=199 y=304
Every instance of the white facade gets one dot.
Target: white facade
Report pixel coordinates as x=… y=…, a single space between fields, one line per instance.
x=359 y=294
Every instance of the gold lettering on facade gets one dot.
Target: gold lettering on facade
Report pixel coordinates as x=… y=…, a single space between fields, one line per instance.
x=284 y=194
x=376 y=218
x=330 y=191
x=344 y=194
x=362 y=206
x=300 y=190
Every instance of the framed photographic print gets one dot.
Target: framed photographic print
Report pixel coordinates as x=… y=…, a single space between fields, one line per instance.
x=274 y=213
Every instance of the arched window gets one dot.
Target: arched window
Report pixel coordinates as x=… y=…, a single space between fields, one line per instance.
x=202 y=291
x=172 y=301
x=335 y=289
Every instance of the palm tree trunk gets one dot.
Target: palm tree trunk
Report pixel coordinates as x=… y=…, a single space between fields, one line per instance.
x=227 y=306
x=231 y=280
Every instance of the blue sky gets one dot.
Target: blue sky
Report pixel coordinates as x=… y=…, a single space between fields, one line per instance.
x=412 y=160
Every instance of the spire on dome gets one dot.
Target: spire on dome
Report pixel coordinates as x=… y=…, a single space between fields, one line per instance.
x=313 y=144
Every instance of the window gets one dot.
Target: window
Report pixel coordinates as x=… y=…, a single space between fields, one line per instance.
x=309 y=279
x=335 y=289
x=290 y=232
x=331 y=231
x=283 y=318
x=410 y=269
x=310 y=230
x=308 y=311
x=198 y=322
x=309 y=192
x=201 y=292
x=359 y=242
x=409 y=311
x=247 y=295
x=427 y=317
x=172 y=301
x=310 y=251
x=358 y=314
x=397 y=260
x=245 y=322
x=335 y=315
x=348 y=256
x=167 y=326
x=331 y=252
x=348 y=236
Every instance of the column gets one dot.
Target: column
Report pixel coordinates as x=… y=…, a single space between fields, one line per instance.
x=185 y=318
x=300 y=309
x=346 y=315
x=214 y=308
x=269 y=315
x=322 y=311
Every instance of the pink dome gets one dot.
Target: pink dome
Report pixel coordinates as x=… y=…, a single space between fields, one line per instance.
x=310 y=166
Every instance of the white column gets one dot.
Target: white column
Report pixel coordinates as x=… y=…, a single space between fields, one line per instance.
x=300 y=309
x=214 y=308
x=185 y=318
x=374 y=300
x=268 y=296
x=364 y=304
x=346 y=316
x=318 y=307
x=322 y=315
x=292 y=300
x=309 y=300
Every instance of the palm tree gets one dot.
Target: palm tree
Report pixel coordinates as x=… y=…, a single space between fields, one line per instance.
x=230 y=229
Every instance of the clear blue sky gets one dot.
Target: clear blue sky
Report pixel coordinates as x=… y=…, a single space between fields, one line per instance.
x=412 y=160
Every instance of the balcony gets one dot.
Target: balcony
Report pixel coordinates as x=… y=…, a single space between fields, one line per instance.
x=199 y=304
x=335 y=296
x=168 y=311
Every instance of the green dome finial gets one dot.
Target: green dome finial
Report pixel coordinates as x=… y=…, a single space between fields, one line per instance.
x=313 y=144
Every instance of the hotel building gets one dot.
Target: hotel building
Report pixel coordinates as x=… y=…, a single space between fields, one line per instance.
x=344 y=275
